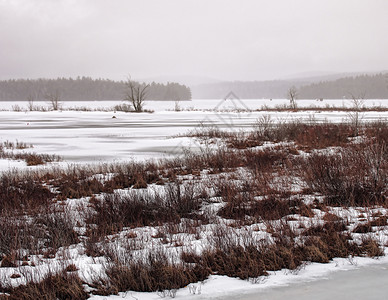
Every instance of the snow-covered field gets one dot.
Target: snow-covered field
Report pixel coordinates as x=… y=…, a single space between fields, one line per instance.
x=200 y=104
x=103 y=135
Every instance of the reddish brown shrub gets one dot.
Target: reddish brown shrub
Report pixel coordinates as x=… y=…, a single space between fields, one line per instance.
x=63 y=286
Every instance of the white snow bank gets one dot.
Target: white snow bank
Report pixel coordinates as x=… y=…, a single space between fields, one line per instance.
x=223 y=287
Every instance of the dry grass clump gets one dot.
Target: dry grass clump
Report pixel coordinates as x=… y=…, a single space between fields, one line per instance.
x=59 y=230
x=15 y=234
x=237 y=261
x=305 y=136
x=355 y=176
x=36 y=234
x=15 y=145
x=22 y=192
x=251 y=259
x=74 y=188
x=243 y=256
x=136 y=175
x=113 y=212
x=264 y=161
x=151 y=273
x=31 y=159
x=377 y=131
x=322 y=135
x=327 y=241
x=371 y=247
x=62 y=286
x=71 y=268
x=209 y=133
x=269 y=208
x=8 y=261
x=368 y=227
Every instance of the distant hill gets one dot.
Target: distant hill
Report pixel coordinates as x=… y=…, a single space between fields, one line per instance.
x=245 y=89
x=85 y=88
x=333 y=86
x=318 y=76
x=365 y=86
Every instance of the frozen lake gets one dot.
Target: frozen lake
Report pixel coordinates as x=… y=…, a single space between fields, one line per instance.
x=93 y=136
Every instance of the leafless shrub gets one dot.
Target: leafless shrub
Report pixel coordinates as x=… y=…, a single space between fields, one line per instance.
x=263 y=127
x=32 y=159
x=123 y=107
x=16 y=145
x=183 y=199
x=17 y=108
x=351 y=177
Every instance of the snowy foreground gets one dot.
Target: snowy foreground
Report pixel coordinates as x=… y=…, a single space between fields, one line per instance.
x=99 y=137
x=361 y=278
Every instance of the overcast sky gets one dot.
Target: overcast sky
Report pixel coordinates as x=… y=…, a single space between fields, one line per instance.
x=222 y=39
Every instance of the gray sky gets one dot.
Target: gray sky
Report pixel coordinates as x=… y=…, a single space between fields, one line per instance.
x=223 y=39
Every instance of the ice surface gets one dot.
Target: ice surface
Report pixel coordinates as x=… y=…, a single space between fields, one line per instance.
x=101 y=136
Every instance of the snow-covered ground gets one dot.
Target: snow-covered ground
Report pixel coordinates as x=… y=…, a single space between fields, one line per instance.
x=108 y=136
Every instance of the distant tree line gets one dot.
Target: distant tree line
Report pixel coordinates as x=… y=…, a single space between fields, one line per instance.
x=364 y=86
x=368 y=86
x=84 y=88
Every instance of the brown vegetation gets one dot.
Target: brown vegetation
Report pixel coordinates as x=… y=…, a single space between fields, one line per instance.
x=252 y=182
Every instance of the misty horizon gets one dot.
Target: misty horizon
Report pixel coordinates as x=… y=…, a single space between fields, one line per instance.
x=191 y=80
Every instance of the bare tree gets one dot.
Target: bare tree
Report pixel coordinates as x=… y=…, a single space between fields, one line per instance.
x=30 y=100
x=292 y=93
x=177 y=103
x=135 y=93
x=355 y=116
x=54 y=99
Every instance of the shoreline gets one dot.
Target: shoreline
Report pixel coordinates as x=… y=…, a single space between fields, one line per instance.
x=302 y=283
